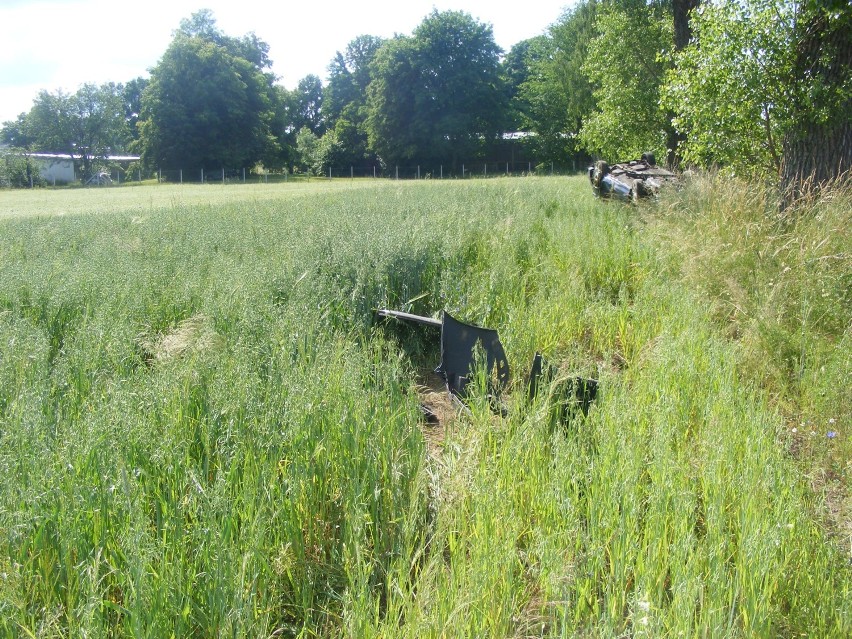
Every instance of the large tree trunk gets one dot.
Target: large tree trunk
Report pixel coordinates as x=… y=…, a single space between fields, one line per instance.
x=682 y=36
x=682 y=30
x=818 y=147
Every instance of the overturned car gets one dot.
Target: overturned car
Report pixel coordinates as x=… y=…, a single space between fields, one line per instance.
x=631 y=180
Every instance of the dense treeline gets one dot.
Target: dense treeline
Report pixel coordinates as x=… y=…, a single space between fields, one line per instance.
x=760 y=88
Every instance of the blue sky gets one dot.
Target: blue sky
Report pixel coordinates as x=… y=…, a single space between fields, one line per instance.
x=61 y=44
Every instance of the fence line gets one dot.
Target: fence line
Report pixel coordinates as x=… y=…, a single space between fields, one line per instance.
x=245 y=175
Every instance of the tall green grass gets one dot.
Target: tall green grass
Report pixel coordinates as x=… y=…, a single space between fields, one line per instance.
x=204 y=430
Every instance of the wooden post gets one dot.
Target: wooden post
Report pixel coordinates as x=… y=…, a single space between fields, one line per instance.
x=397 y=172
x=202 y=176
x=223 y=176
x=181 y=176
x=442 y=171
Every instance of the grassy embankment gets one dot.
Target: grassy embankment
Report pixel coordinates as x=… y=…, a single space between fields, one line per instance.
x=204 y=431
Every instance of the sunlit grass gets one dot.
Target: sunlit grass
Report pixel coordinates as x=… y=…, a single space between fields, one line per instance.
x=205 y=430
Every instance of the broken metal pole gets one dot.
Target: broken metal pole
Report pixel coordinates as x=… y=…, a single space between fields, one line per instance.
x=429 y=321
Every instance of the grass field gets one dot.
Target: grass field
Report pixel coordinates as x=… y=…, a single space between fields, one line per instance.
x=206 y=431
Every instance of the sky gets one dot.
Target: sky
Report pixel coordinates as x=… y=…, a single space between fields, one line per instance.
x=61 y=44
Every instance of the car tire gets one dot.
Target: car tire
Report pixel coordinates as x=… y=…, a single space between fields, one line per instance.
x=601 y=170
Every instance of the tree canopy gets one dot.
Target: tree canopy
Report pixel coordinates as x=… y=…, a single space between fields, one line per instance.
x=436 y=95
x=88 y=125
x=210 y=100
x=758 y=87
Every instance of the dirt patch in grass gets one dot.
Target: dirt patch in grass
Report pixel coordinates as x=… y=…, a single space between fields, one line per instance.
x=441 y=406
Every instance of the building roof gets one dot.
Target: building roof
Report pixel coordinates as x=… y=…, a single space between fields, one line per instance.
x=66 y=156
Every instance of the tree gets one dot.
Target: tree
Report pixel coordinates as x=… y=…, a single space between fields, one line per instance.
x=516 y=68
x=437 y=96
x=305 y=105
x=133 y=105
x=345 y=100
x=349 y=77
x=764 y=90
x=88 y=125
x=556 y=94
x=17 y=169
x=16 y=133
x=307 y=144
x=817 y=145
x=626 y=64
x=210 y=100
x=730 y=89
x=395 y=129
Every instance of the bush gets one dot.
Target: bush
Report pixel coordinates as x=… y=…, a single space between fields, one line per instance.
x=17 y=171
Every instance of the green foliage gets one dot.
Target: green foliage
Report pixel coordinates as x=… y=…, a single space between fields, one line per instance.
x=305 y=105
x=556 y=94
x=209 y=102
x=17 y=170
x=349 y=77
x=436 y=96
x=16 y=133
x=731 y=87
x=88 y=125
x=133 y=106
x=345 y=100
x=307 y=144
x=626 y=64
x=395 y=129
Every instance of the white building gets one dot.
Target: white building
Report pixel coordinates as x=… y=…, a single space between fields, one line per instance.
x=55 y=167
x=59 y=168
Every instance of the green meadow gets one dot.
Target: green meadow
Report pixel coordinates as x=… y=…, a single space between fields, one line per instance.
x=205 y=429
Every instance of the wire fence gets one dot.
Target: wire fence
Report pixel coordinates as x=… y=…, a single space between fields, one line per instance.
x=117 y=175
